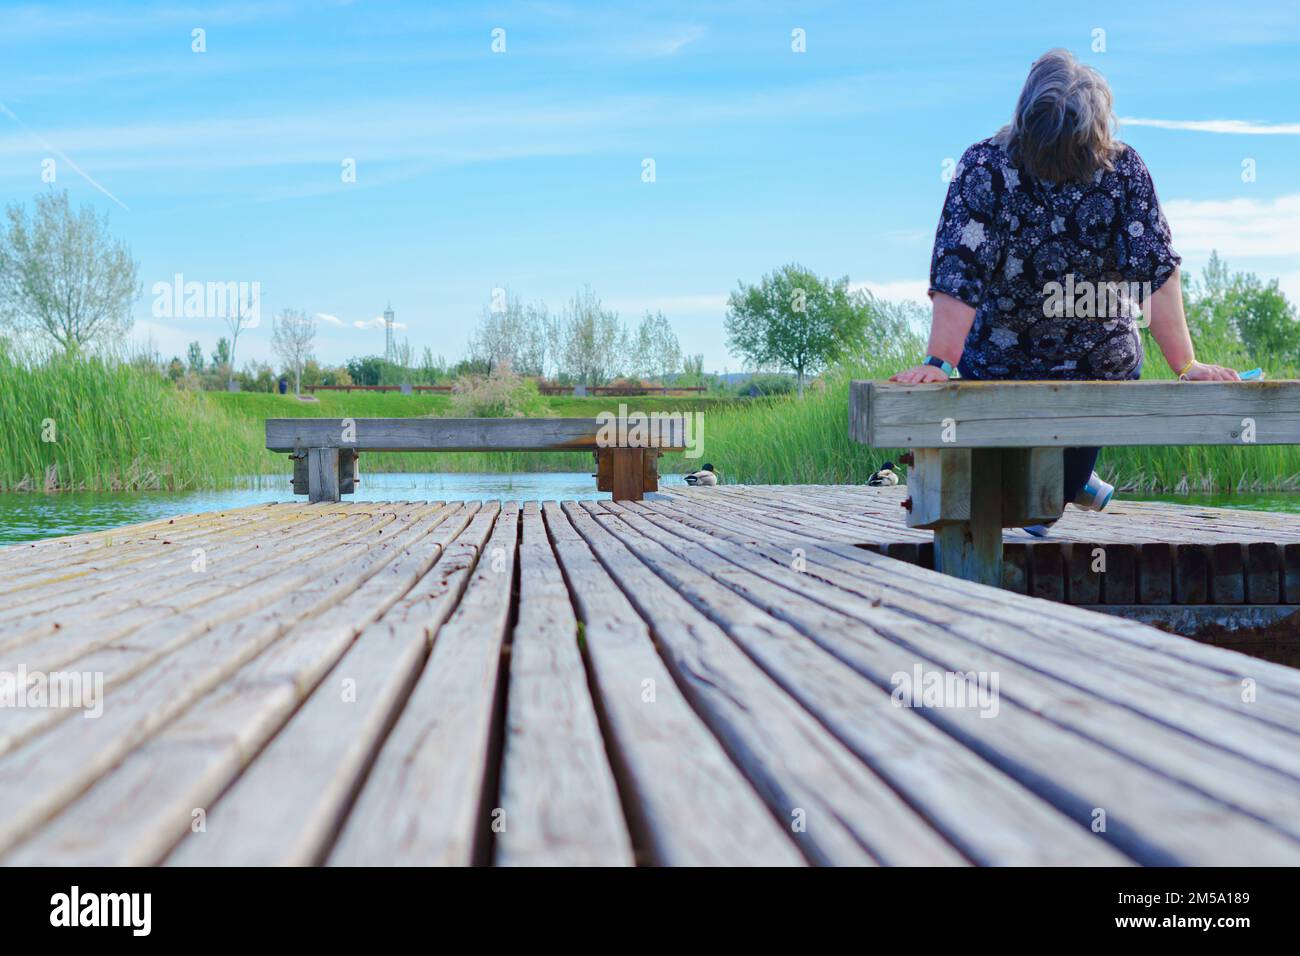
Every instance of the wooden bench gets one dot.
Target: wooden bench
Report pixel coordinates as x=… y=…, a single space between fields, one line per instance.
x=988 y=455
x=325 y=450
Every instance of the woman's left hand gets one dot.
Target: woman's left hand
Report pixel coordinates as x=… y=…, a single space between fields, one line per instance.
x=1200 y=372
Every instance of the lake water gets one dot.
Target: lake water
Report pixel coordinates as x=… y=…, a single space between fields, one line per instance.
x=32 y=515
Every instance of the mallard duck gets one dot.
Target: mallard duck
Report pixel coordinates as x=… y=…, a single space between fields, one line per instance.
x=886 y=477
x=706 y=477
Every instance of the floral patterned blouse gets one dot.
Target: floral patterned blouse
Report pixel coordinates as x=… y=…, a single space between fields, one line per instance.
x=1024 y=253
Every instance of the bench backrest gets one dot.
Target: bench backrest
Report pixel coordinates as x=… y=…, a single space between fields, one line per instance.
x=666 y=432
x=963 y=414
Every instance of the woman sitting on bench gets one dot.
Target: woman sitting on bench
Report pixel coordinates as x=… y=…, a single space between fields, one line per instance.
x=1050 y=241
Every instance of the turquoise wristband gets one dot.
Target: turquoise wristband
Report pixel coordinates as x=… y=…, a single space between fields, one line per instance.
x=939 y=364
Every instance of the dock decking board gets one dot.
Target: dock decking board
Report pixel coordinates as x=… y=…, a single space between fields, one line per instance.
x=705 y=677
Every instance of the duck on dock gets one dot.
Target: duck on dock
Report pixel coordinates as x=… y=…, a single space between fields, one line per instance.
x=886 y=477
x=706 y=477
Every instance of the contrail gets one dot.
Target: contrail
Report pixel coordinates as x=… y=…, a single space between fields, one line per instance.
x=62 y=155
x=1231 y=126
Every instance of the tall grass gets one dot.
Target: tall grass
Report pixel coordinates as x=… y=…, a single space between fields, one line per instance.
x=89 y=423
x=1204 y=468
x=119 y=426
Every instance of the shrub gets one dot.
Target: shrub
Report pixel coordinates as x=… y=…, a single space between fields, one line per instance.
x=499 y=395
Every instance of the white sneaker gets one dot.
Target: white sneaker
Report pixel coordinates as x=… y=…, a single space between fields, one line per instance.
x=1096 y=494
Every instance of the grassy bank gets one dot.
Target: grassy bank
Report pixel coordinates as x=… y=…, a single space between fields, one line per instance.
x=102 y=426
x=117 y=427
x=105 y=426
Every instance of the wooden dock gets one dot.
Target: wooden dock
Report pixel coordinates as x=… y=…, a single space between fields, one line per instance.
x=713 y=676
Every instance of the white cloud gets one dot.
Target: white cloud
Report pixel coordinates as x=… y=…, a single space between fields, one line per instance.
x=327 y=318
x=1236 y=227
x=899 y=290
x=376 y=323
x=675 y=44
x=1230 y=126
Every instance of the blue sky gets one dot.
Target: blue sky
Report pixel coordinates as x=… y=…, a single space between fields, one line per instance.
x=523 y=169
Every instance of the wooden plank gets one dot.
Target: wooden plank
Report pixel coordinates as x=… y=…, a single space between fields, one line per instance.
x=349 y=471
x=1065 y=414
x=1167 y=686
x=1263 y=573
x=1191 y=574
x=1119 y=579
x=1083 y=584
x=991 y=817
x=837 y=809
x=1015 y=567
x=650 y=470
x=627 y=473
x=54 y=636
x=44 y=774
x=1033 y=486
x=1291 y=573
x=473 y=434
x=692 y=806
x=559 y=800
x=287 y=806
x=1227 y=574
x=1155 y=571
x=972 y=550
x=323 y=474
x=144 y=805
x=1046 y=570
x=939 y=485
x=143 y=563
x=1270 y=795
x=425 y=800
x=132 y=640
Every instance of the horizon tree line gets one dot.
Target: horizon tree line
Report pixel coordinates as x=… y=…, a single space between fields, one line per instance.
x=66 y=284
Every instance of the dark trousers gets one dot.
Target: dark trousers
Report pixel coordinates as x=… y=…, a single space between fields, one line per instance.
x=1080 y=463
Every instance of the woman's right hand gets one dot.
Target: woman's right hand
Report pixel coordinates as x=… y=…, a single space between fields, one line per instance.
x=919 y=375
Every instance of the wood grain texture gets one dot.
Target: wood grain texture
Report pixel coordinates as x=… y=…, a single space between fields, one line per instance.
x=466 y=434
x=558 y=794
x=286 y=808
x=706 y=677
x=809 y=778
x=692 y=805
x=1064 y=414
x=424 y=800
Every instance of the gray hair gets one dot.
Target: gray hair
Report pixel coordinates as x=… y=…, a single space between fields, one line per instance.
x=1063 y=128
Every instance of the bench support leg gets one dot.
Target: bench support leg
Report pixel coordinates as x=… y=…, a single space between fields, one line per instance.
x=968 y=495
x=972 y=549
x=627 y=473
x=322 y=474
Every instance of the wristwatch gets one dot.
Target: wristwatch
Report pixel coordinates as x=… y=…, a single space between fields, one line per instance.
x=939 y=364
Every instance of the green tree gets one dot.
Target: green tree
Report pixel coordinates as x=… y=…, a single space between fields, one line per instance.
x=1265 y=320
x=1238 y=309
x=63 y=276
x=221 y=355
x=655 y=351
x=194 y=358
x=592 y=342
x=795 y=321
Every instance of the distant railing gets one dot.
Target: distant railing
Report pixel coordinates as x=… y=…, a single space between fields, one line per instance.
x=376 y=388
x=544 y=389
x=623 y=389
